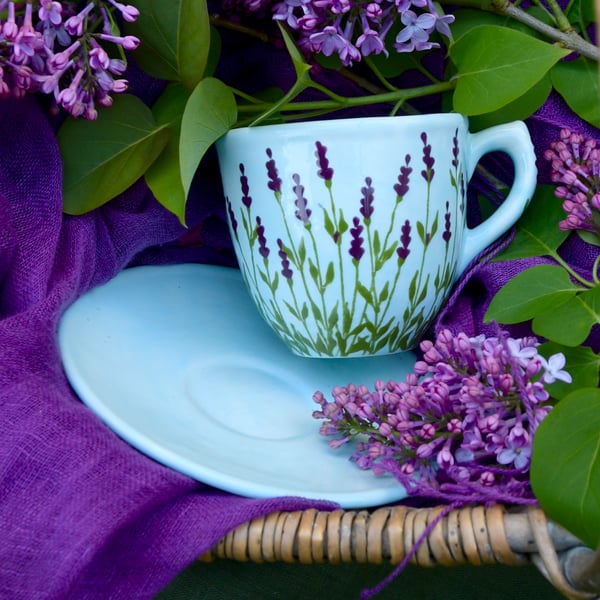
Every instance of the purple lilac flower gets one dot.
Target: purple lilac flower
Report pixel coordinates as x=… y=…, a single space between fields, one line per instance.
x=428 y=160
x=356 y=244
x=302 y=212
x=575 y=162
x=459 y=428
x=366 y=201
x=354 y=29
x=274 y=182
x=48 y=47
x=324 y=170
x=246 y=199
x=403 y=250
x=285 y=263
x=447 y=224
x=263 y=250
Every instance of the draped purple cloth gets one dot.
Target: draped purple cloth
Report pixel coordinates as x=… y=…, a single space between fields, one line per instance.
x=82 y=514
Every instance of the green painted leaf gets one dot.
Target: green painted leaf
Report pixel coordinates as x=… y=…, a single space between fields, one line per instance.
x=577 y=317
x=364 y=292
x=103 y=158
x=565 y=467
x=330 y=274
x=164 y=175
x=533 y=236
x=583 y=97
x=582 y=363
x=496 y=65
x=209 y=113
x=531 y=292
x=176 y=39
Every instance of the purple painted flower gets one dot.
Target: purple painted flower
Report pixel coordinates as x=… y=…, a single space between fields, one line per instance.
x=366 y=201
x=246 y=199
x=401 y=188
x=263 y=250
x=324 y=170
x=232 y=219
x=428 y=160
x=285 y=263
x=447 y=224
x=356 y=244
x=274 y=182
x=302 y=212
x=403 y=250
x=455 y=149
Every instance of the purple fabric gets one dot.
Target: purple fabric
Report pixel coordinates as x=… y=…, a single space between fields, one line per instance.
x=83 y=514
x=466 y=308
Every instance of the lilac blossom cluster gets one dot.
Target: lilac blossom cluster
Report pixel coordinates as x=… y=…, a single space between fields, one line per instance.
x=575 y=162
x=60 y=49
x=353 y=29
x=460 y=427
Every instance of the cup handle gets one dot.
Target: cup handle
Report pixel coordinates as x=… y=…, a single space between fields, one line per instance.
x=512 y=138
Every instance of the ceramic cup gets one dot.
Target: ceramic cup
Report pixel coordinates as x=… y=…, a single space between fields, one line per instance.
x=350 y=233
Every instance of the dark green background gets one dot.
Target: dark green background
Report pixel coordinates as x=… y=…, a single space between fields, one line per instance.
x=225 y=580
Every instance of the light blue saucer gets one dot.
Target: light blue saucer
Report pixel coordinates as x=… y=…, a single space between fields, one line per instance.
x=178 y=362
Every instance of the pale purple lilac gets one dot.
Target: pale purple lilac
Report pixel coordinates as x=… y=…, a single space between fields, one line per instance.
x=459 y=428
x=47 y=47
x=354 y=29
x=575 y=164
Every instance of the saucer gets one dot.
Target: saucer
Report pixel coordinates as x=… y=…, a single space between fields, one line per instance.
x=178 y=362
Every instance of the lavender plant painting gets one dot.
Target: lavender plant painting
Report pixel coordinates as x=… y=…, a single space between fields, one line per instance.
x=340 y=270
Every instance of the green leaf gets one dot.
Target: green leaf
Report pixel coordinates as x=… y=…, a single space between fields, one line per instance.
x=496 y=65
x=582 y=98
x=577 y=317
x=565 y=467
x=533 y=236
x=209 y=113
x=531 y=292
x=364 y=292
x=582 y=363
x=164 y=175
x=520 y=109
x=103 y=158
x=175 y=39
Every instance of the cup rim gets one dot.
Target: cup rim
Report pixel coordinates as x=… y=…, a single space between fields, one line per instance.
x=341 y=123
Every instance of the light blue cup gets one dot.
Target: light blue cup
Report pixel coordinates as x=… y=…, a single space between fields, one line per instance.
x=350 y=233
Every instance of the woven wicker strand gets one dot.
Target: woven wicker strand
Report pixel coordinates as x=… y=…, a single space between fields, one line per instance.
x=470 y=535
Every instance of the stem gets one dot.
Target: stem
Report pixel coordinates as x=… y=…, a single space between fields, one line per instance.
x=348 y=102
x=559 y=16
x=569 y=38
